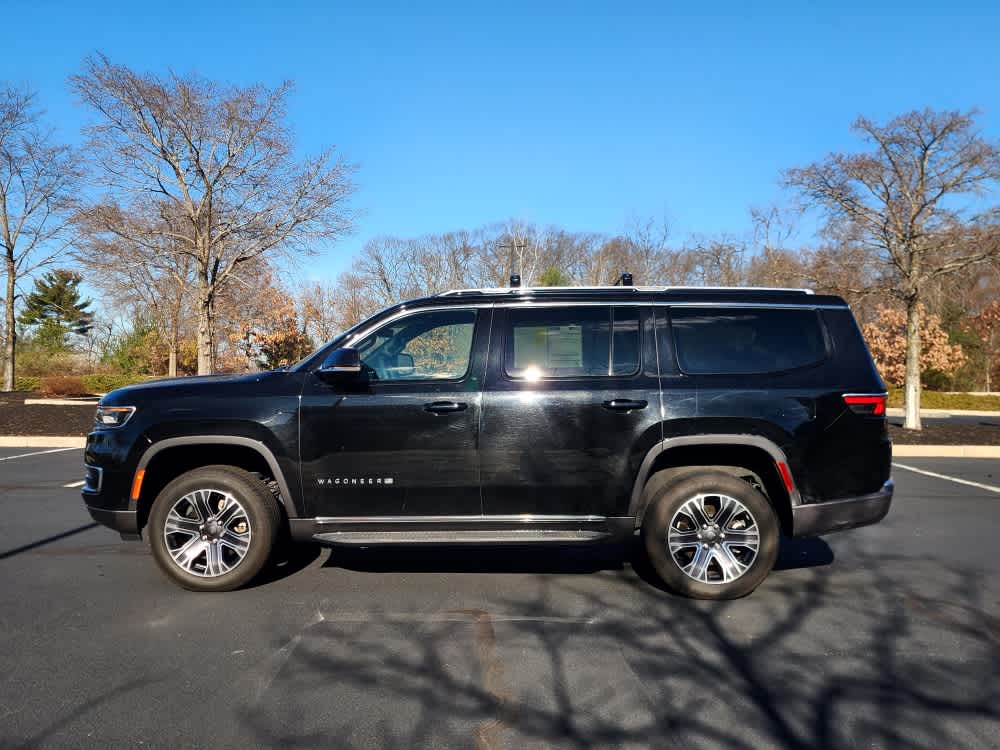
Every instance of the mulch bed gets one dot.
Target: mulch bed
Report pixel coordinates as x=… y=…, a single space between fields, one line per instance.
x=17 y=418
x=945 y=433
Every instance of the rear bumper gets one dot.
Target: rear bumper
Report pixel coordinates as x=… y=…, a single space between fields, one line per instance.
x=845 y=513
x=125 y=522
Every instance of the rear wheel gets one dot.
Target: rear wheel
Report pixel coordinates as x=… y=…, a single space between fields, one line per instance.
x=710 y=535
x=213 y=528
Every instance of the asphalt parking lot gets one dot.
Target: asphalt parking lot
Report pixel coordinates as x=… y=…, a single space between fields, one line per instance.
x=885 y=637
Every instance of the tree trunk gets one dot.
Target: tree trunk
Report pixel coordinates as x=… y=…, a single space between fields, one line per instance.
x=172 y=357
x=174 y=344
x=11 y=333
x=912 y=379
x=206 y=345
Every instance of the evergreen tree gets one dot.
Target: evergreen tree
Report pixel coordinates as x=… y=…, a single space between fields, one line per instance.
x=55 y=307
x=553 y=276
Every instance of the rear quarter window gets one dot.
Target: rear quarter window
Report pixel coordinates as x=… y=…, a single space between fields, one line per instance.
x=738 y=341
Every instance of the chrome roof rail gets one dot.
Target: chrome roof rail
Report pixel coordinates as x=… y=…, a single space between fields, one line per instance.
x=651 y=288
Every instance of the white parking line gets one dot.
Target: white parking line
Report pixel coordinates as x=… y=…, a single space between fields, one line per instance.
x=987 y=487
x=75 y=484
x=38 y=453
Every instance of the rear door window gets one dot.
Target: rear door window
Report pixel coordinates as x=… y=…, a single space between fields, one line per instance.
x=560 y=342
x=746 y=341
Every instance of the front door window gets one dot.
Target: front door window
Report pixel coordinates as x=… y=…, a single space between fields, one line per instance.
x=434 y=345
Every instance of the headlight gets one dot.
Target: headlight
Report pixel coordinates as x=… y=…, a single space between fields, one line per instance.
x=113 y=416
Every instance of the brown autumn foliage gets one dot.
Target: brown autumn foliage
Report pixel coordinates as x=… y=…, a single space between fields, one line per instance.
x=62 y=385
x=887 y=342
x=260 y=324
x=987 y=326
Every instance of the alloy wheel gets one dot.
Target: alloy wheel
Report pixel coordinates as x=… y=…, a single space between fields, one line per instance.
x=207 y=533
x=713 y=538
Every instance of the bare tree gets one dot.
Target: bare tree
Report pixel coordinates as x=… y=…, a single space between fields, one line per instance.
x=38 y=180
x=901 y=200
x=515 y=247
x=218 y=161
x=141 y=267
x=718 y=261
x=318 y=307
x=351 y=301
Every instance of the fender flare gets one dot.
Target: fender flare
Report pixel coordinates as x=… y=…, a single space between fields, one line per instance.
x=755 y=441
x=256 y=445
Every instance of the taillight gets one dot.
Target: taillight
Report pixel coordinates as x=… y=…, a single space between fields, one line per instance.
x=871 y=405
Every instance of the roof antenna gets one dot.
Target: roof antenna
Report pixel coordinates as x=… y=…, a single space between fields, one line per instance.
x=515 y=280
x=624 y=280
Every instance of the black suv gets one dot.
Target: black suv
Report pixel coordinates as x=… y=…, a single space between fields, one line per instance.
x=710 y=421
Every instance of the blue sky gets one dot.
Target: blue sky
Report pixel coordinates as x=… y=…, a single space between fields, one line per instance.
x=583 y=115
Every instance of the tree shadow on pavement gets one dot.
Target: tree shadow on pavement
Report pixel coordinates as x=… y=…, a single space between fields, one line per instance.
x=47 y=540
x=819 y=656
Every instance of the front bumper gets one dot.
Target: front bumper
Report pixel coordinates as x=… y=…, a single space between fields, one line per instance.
x=844 y=513
x=125 y=522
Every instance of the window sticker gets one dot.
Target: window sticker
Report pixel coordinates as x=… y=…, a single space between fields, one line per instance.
x=530 y=346
x=565 y=347
x=548 y=347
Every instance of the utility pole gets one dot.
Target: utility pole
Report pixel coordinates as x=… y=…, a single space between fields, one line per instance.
x=513 y=245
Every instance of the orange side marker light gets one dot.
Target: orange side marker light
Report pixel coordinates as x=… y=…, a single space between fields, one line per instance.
x=137 y=484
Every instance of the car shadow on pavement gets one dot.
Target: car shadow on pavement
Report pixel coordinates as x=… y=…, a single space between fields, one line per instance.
x=499 y=559
x=287 y=559
x=548 y=559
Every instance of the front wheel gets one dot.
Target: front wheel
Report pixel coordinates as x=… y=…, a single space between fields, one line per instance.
x=213 y=528
x=710 y=535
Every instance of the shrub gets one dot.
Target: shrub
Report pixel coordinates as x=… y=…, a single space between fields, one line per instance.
x=938 y=400
x=106 y=383
x=33 y=360
x=98 y=383
x=27 y=383
x=134 y=351
x=62 y=385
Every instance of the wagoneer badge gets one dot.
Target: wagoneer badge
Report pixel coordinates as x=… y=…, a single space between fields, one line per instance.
x=352 y=481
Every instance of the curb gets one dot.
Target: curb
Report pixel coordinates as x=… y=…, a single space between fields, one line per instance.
x=42 y=441
x=896 y=411
x=61 y=402
x=946 y=451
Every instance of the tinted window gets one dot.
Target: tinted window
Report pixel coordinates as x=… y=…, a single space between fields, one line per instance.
x=746 y=341
x=425 y=346
x=572 y=342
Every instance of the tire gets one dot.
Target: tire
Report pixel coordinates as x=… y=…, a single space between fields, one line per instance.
x=710 y=566
x=239 y=546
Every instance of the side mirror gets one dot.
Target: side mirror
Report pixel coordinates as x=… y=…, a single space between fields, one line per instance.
x=341 y=362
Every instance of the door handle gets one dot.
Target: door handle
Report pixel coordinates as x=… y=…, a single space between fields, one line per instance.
x=445 y=407
x=624 y=404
